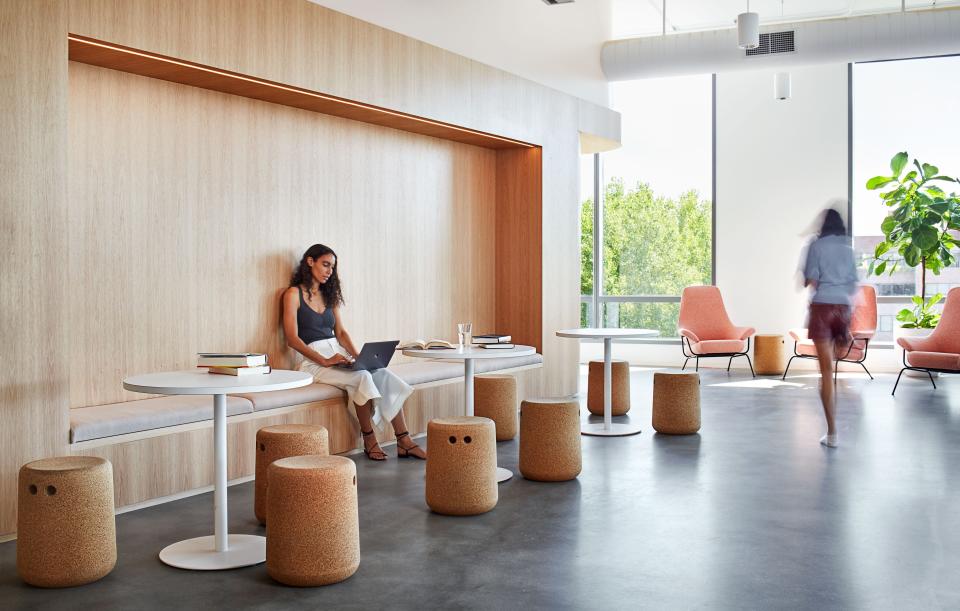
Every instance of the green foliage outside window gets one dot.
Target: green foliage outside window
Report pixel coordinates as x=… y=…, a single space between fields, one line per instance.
x=652 y=245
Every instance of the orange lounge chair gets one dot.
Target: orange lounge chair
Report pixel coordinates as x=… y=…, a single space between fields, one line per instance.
x=863 y=326
x=938 y=352
x=706 y=330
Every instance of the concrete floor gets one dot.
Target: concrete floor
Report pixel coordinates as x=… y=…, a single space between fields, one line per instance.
x=752 y=513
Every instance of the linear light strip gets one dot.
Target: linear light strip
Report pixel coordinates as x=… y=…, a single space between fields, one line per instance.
x=320 y=96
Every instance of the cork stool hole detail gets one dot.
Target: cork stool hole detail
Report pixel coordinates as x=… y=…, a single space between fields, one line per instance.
x=32 y=489
x=51 y=490
x=453 y=439
x=354 y=480
x=467 y=439
x=263 y=448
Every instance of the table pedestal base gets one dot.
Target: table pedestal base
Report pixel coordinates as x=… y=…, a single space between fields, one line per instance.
x=598 y=429
x=503 y=474
x=200 y=554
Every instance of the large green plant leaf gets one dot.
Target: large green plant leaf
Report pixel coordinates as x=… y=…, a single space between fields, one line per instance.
x=879 y=181
x=898 y=162
x=911 y=255
x=888 y=225
x=929 y=170
x=925 y=238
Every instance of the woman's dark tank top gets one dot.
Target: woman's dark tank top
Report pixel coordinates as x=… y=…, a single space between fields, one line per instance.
x=312 y=326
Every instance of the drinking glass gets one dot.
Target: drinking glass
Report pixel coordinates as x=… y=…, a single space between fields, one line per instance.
x=465 y=334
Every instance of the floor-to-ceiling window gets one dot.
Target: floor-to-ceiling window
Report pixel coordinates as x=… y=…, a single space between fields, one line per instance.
x=657 y=205
x=906 y=105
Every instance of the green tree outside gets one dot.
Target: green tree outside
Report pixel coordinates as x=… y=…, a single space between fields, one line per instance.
x=652 y=245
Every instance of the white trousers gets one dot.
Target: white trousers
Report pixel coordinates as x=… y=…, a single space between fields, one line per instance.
x=387 y=391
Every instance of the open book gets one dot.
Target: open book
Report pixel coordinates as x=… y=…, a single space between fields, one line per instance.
x=419 y=344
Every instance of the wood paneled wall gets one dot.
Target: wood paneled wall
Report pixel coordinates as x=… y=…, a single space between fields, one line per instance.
x=168 y=207
x=185 y=229
x=34 y=280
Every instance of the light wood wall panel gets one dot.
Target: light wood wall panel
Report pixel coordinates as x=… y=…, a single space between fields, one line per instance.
x=186 y=228
x=34 y=280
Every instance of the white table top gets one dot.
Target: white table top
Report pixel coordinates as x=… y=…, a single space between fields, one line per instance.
x=457 y=354
x=607 y=333
x=199 y=382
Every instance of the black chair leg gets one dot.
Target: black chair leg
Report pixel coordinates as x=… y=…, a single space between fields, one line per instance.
x=685 y=363
x=898 y=381
x=836 y=369
x=697 y=368
x=867 y=370
x=752 y=372
x=730 y=362
x=790 y=362
x=931 y=379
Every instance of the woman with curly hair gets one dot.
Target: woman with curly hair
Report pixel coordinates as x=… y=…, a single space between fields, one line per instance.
x=314 y=328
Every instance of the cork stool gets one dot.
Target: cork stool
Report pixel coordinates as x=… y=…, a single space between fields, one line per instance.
x=66 y=533
x=550 y=439
x=676 y=402
x=495 y=397
x=619 y=393
x=768 y=357
x=313 y=537
x=281 y=441
x=461 y=466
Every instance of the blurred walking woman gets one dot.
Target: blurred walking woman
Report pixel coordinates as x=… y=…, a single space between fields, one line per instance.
x=314 y=328
x=830 y=271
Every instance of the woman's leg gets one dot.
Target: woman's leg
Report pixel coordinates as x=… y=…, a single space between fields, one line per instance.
x=404 y=442
x=370 y=443
x=825 y=358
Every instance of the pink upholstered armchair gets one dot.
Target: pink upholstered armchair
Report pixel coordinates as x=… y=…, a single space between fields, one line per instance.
x=939 y=351
x=863 y=326
x=706 y=330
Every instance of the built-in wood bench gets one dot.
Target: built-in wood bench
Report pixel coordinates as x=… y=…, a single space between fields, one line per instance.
x=117 y=423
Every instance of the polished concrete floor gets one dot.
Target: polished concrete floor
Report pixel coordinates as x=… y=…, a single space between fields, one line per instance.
x=752 y=513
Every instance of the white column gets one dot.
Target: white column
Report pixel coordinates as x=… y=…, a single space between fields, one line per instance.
x=468 y=387
x=220 y=471
x=607 y=383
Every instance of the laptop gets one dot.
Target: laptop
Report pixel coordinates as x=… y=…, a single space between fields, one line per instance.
x=373 y=355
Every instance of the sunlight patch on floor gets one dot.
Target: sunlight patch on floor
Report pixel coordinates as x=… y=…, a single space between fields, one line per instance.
x=760 y=383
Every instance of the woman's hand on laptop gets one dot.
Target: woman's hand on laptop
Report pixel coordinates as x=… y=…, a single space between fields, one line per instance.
x=337 y=359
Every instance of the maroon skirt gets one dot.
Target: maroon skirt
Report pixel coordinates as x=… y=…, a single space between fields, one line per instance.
x=828 y=321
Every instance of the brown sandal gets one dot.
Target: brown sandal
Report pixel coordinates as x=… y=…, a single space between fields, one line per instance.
x=412 y=452
x=375 y=453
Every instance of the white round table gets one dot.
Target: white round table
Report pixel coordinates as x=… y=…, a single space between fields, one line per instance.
x=467 y=355
x=608 y=428
x=220 y=550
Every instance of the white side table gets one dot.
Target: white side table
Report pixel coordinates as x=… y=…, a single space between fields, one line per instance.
x=467 y=355
x=220 y=550
x=608 y=428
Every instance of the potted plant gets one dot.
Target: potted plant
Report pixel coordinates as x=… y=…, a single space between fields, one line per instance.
x=921 y=230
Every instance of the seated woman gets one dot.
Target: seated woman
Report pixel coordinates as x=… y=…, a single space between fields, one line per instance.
x=314 y=328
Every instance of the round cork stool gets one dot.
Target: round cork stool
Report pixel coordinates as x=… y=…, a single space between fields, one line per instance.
x=620 y=393
x=281 y=441
x=550 y=439
x=676 y=402
x=313 y=537
x=768 y=356
x=495 y=397
x=461 y=466
x=66 y=533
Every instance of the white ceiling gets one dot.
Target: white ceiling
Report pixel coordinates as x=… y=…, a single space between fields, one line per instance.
x=643 y=17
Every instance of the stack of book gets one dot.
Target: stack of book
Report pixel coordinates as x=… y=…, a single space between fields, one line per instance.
x=238 y=364
x=493 y=341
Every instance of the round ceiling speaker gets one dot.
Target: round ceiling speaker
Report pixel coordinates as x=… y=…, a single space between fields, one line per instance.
x=748 y=30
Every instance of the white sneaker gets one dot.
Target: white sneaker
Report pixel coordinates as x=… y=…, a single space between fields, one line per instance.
x=829 y=440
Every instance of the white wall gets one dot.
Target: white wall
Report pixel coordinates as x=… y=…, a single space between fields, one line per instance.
x=557 y=46
x=778 y=163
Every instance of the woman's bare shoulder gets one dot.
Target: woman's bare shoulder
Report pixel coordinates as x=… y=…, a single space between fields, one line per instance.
x=290 y=294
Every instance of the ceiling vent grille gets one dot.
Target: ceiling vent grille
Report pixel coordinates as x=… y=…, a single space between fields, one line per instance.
x=552 y=2
x=774 y=42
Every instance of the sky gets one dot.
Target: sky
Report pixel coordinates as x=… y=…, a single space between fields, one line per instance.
x=908 y=105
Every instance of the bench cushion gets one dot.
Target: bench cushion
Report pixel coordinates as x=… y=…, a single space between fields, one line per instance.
x=294 y=396
x=423 y=371
x=145 y=414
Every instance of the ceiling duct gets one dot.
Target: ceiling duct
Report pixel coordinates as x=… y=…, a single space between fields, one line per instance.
x=851 y=39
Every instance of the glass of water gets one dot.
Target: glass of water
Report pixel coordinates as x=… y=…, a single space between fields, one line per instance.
x=465 y=334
